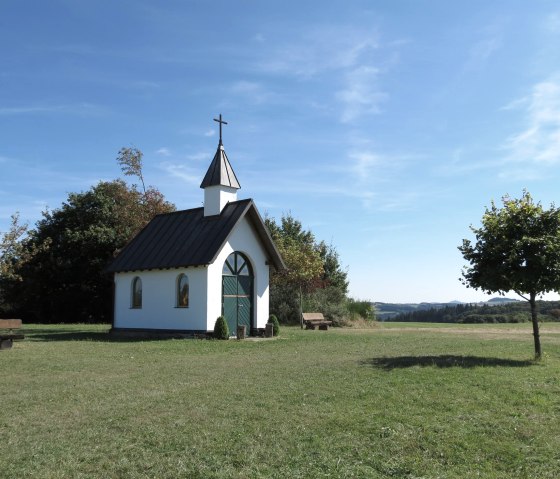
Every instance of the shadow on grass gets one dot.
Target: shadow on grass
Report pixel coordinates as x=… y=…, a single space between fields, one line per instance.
x=73 y=335
x=443 y=361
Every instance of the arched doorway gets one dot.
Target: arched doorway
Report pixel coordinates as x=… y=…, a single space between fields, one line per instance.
x=237 y=292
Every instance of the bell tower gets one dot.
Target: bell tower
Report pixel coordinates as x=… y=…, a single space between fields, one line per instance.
x=220 y=183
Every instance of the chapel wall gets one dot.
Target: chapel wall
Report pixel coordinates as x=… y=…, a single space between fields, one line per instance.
x=159 y=301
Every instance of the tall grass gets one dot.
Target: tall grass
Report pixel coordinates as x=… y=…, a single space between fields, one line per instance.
x=395 y=401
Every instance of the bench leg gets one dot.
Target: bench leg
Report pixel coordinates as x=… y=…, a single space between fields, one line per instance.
x=310 y=326
x=324 y=327
x=6 y=343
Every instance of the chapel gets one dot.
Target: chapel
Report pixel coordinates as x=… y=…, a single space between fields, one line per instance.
x=186 y=268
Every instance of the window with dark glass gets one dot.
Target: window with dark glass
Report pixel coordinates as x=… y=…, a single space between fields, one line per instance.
x=237 y=264
x=182 y=291
x=136 y=293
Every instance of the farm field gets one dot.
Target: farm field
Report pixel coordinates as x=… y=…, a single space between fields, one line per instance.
x=399 y=400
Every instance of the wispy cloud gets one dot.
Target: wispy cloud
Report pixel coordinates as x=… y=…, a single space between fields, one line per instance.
x=72 y=109
x=210 y=132
x=251 y=91
x=552 y=23
x=361 y=94
x=163 y=151
x=346 y=60
x=181 y=172
x=482 y=50
x=199 y=156
x=539 y=141
x=362 y=164
x=318 y=50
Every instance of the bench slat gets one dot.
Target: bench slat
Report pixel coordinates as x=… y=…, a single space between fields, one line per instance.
x=313 y=316
x=10 y=323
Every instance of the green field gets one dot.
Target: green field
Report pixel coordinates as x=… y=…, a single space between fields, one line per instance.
x=398 y=400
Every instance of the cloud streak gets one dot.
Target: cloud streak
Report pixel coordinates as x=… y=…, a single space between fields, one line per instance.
x=361 y=95
x=182 y=173
x=539 y=142
x=320 y=50
x=72 y=109
x=343 y=57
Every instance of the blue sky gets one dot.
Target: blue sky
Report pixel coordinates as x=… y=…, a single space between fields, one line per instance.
x=386 y=127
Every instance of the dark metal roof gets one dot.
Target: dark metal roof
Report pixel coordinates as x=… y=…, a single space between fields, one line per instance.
x=220 y=171
x=188 y=238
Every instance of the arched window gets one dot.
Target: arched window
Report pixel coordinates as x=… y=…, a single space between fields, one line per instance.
x=182 y=291
x=136 y=302
x=237 y=264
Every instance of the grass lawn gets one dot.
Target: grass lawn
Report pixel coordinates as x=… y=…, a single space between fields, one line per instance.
x=398 y=400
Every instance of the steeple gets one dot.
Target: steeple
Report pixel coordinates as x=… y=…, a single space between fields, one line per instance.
x=220 y=183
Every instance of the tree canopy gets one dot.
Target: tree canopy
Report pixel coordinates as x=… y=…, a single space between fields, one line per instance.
x=314 y=278
x=517 y=249
x=55 y=273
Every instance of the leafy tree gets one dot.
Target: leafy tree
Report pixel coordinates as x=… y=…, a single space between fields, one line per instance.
x=303 y=263
x=314 y=279
x=364 y=309
x=13 y=253
x=130 y=161
x=333 y=274
x=517 y=249
x=62 y=278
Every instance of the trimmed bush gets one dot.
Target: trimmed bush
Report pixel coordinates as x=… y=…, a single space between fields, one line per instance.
x=221 y=330
x=275 y=324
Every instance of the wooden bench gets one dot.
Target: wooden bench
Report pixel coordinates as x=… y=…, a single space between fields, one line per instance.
x=315 y=320
x=9 y=331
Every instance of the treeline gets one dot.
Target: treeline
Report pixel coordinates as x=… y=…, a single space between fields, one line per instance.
x=514 y=312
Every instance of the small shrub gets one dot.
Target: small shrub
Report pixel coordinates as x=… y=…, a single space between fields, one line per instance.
x=221 y=330
x=275 y=324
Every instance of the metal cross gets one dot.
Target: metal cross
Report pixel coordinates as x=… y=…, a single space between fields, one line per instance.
x=221 y=122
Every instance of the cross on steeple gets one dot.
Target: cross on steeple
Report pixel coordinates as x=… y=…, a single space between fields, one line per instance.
x=220 y=121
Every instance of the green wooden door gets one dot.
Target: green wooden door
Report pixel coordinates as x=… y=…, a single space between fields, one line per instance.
x=237 y=292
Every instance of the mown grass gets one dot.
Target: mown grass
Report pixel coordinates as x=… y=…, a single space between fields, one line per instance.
x=394 y=401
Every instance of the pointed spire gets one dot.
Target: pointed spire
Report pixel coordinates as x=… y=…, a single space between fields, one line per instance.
x=220 y=171
x=220 y=183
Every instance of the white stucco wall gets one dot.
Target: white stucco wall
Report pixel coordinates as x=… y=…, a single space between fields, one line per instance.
x=216 y=197
x=159 y=309
x=244 y=240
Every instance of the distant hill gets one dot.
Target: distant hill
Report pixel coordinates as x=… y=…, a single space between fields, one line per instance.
x=386 y=311
x=496 y=310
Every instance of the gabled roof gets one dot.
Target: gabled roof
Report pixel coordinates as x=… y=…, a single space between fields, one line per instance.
x=220 y=171
x=188 y=238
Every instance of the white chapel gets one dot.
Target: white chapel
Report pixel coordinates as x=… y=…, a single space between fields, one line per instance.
x=186 y=268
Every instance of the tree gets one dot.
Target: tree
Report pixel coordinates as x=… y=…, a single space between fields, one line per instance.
x=130 y=161
x=333 y=274
x=304 y=267
x=62 y=278
x=313 y=279
x=517 y=249
x=12 y=250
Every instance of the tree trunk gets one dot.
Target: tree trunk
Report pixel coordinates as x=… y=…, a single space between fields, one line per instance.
x=300 y=306
x=534 y=318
